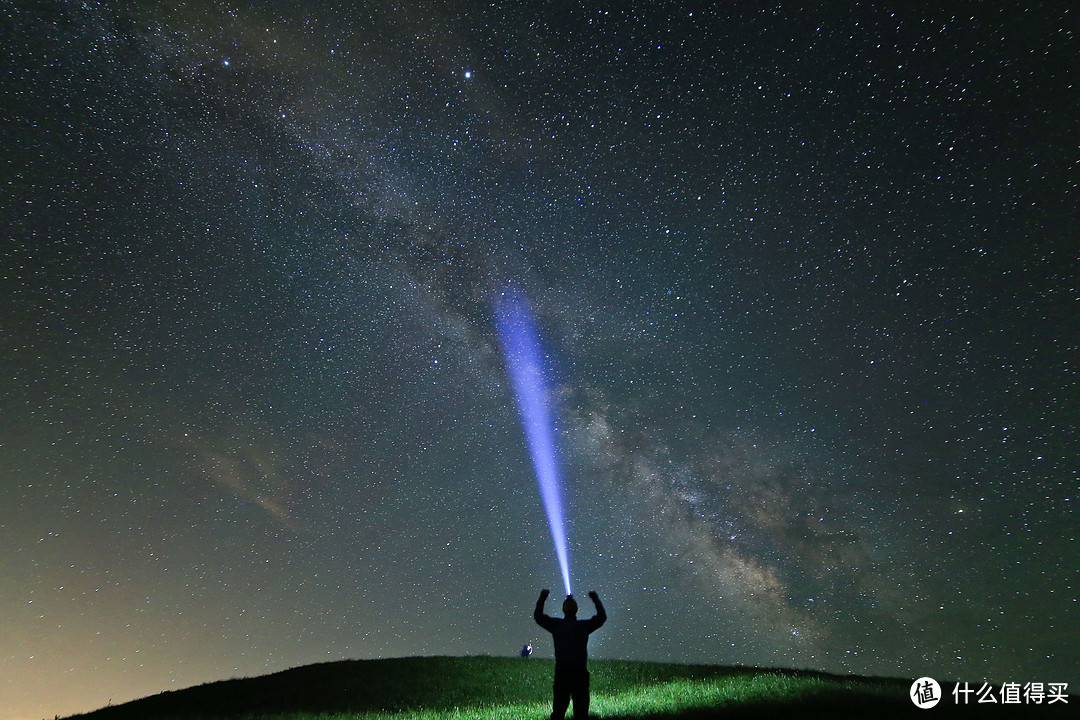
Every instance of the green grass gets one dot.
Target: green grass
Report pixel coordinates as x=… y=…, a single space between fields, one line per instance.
x=623 y=690
x=484 y=688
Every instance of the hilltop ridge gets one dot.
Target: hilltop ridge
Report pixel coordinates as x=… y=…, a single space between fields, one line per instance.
x=490 y=687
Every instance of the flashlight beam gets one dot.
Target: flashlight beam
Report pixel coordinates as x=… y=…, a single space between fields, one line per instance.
x=521 y=347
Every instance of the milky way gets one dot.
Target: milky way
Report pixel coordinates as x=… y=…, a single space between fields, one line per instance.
x=807 y=280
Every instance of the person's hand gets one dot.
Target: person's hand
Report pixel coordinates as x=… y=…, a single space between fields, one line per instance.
x=544 y=593
x=593 y=596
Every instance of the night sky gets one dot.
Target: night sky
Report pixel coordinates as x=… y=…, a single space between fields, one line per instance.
x=807 y=279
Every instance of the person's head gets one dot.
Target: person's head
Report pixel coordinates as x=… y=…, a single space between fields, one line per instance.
x=569 y=606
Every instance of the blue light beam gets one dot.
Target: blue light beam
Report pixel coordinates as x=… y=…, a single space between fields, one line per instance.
x=521 y=348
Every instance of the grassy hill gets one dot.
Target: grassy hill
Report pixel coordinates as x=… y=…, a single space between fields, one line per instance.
x=484 y=688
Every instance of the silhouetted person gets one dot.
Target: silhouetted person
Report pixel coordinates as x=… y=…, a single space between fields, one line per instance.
x=571 y=638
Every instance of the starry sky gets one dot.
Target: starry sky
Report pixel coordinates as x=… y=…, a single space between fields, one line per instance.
x=806 y=277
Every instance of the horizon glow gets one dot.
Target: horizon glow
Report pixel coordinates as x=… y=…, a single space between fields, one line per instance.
x=521 y=349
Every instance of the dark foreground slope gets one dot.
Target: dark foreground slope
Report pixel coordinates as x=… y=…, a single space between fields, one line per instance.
x=621 y=691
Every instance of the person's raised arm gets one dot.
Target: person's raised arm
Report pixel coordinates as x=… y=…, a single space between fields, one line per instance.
x=601 y=615
x=538 y=613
